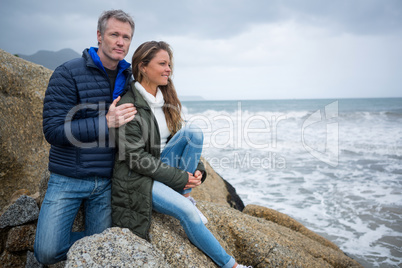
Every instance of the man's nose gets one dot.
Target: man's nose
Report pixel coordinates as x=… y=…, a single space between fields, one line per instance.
x=120 y=41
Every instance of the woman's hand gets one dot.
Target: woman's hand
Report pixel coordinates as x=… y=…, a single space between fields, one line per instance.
x=198 y=174
x=193 y=180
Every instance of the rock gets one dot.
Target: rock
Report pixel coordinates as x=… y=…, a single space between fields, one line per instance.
x=22 y=211
x=23 y=149
x=217 y=190
x=10 y=260
x=115 y=247
x=32 y=262
x=3 y=239
x=36 y=196
x=168 y=236
x=21 y=238
x=263 y=243
x=61 y=264
x=233 y=198
x=18 y=193
x=14 y=197
x=213 y=189
x=286 y=221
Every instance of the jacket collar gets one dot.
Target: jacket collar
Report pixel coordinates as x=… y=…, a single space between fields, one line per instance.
x=139 y=101
x=124 y=76
x=153 y=102
x=88 y=59
x=93 y=59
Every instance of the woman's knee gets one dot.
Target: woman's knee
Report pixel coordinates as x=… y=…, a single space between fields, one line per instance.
x=190 y=214
x=194 y=134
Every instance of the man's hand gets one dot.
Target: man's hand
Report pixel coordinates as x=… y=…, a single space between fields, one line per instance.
x=120 y=115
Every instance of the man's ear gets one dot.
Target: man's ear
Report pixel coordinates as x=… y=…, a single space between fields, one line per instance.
x=99 y=37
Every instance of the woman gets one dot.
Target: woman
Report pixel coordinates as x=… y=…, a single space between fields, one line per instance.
x=158 y=160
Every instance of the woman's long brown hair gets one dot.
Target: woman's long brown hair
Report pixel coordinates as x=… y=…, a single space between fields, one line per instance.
x=172 y=108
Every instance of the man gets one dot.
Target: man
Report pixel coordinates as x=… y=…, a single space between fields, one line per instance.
x=76 y=122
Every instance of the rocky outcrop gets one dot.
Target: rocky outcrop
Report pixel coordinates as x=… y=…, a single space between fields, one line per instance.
x=251 y=240
x=261 y=243
x=22 y=211
x=23 y=149
x=17 y=231
x=286 y=221
x=115 y=247
x=258 y=236
x=215 y=189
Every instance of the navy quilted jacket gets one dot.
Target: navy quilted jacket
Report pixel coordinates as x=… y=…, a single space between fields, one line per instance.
x=74 y=118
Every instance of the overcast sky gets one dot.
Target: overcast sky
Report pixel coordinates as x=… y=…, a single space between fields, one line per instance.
x=237 y=49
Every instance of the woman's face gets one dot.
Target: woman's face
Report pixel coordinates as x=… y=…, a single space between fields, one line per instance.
x=158 y=69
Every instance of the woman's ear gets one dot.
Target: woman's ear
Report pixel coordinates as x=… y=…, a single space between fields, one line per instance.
x=142 y=68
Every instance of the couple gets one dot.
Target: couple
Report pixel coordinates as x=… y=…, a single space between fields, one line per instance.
x=157 y=160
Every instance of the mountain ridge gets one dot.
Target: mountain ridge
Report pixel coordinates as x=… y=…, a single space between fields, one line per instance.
x=51 y=59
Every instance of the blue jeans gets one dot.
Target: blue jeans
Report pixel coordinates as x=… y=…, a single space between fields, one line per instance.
x=63 y=198
x=184 y=151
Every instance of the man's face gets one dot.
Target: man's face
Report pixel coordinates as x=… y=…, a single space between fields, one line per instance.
x=115 y=43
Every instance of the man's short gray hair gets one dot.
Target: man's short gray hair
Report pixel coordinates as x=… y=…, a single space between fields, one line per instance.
x=118 y=15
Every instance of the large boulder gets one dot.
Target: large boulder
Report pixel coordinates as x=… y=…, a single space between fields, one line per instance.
x=23 y=149
x=115 y=247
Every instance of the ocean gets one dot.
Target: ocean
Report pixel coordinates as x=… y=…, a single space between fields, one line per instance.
x=334 y=165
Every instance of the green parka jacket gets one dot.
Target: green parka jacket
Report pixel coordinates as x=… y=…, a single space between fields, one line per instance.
x=137 y=164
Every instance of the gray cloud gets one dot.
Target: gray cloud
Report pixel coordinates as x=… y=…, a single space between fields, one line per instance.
x=48 y=23
x=296 y=48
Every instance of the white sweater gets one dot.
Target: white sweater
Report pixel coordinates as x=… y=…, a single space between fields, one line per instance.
x=156 y=104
